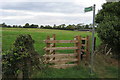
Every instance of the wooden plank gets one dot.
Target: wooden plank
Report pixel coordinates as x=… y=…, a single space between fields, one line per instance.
x=62 y=60
x=84 y=55
x=51 y=39
x=83 y=38
x=83 y=45
x=52 y=51
x=61 y=48
x=83 y=50
x=51 y=45
x=61 y=41
x=61 y=55
x=63 y=66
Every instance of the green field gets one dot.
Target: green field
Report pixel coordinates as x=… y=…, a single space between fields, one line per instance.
x=9 y=35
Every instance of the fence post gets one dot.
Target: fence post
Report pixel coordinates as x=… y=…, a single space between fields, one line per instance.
x=94 y=43
x=54 y=38
x=78 y=51
x=87 y=47
x=75 y=44
x=48 y=45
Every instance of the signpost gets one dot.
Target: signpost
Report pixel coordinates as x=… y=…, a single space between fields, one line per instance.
x=87 y=9
x=92 y=8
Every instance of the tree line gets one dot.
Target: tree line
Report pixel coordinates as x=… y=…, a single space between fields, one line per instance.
x=60 y=27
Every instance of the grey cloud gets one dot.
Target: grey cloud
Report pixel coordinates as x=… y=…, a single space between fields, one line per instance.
x=63 y=7
x=51 y=20
x=12 y=14
x=58 y=7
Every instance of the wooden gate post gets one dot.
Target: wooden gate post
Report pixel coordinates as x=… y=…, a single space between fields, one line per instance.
x=54 y=38
x=94 y=43
x=87 y=48
x=78 y=51
x=48 y=45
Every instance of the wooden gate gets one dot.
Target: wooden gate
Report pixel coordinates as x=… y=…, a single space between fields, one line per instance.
x=62 y=60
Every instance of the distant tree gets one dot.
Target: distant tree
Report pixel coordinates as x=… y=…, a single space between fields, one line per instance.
x=26 y=25
x=19 y=26
x=4 y=25
x=0 y=25
x=86 y=27
x=15 y=26
x=70 y=27
x=33 y=26
x=48 y=27
x=90 y=26
x=9 y=26
x=59 y=27
x=54 y=27
x=79 y=26
x=63 y=26
x=41 y=26
x=73 y=25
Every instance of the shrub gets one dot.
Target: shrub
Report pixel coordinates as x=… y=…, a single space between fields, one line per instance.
x=22 y=57
x=108 y=29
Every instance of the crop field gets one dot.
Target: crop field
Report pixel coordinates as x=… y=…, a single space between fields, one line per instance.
x=9 y=35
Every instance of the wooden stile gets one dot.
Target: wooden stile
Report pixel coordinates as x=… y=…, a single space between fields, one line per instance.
x=64 y=60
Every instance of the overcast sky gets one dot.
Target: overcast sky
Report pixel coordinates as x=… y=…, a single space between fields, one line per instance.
x=47 y=12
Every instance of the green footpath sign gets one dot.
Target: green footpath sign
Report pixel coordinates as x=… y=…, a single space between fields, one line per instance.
x=88 y=9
